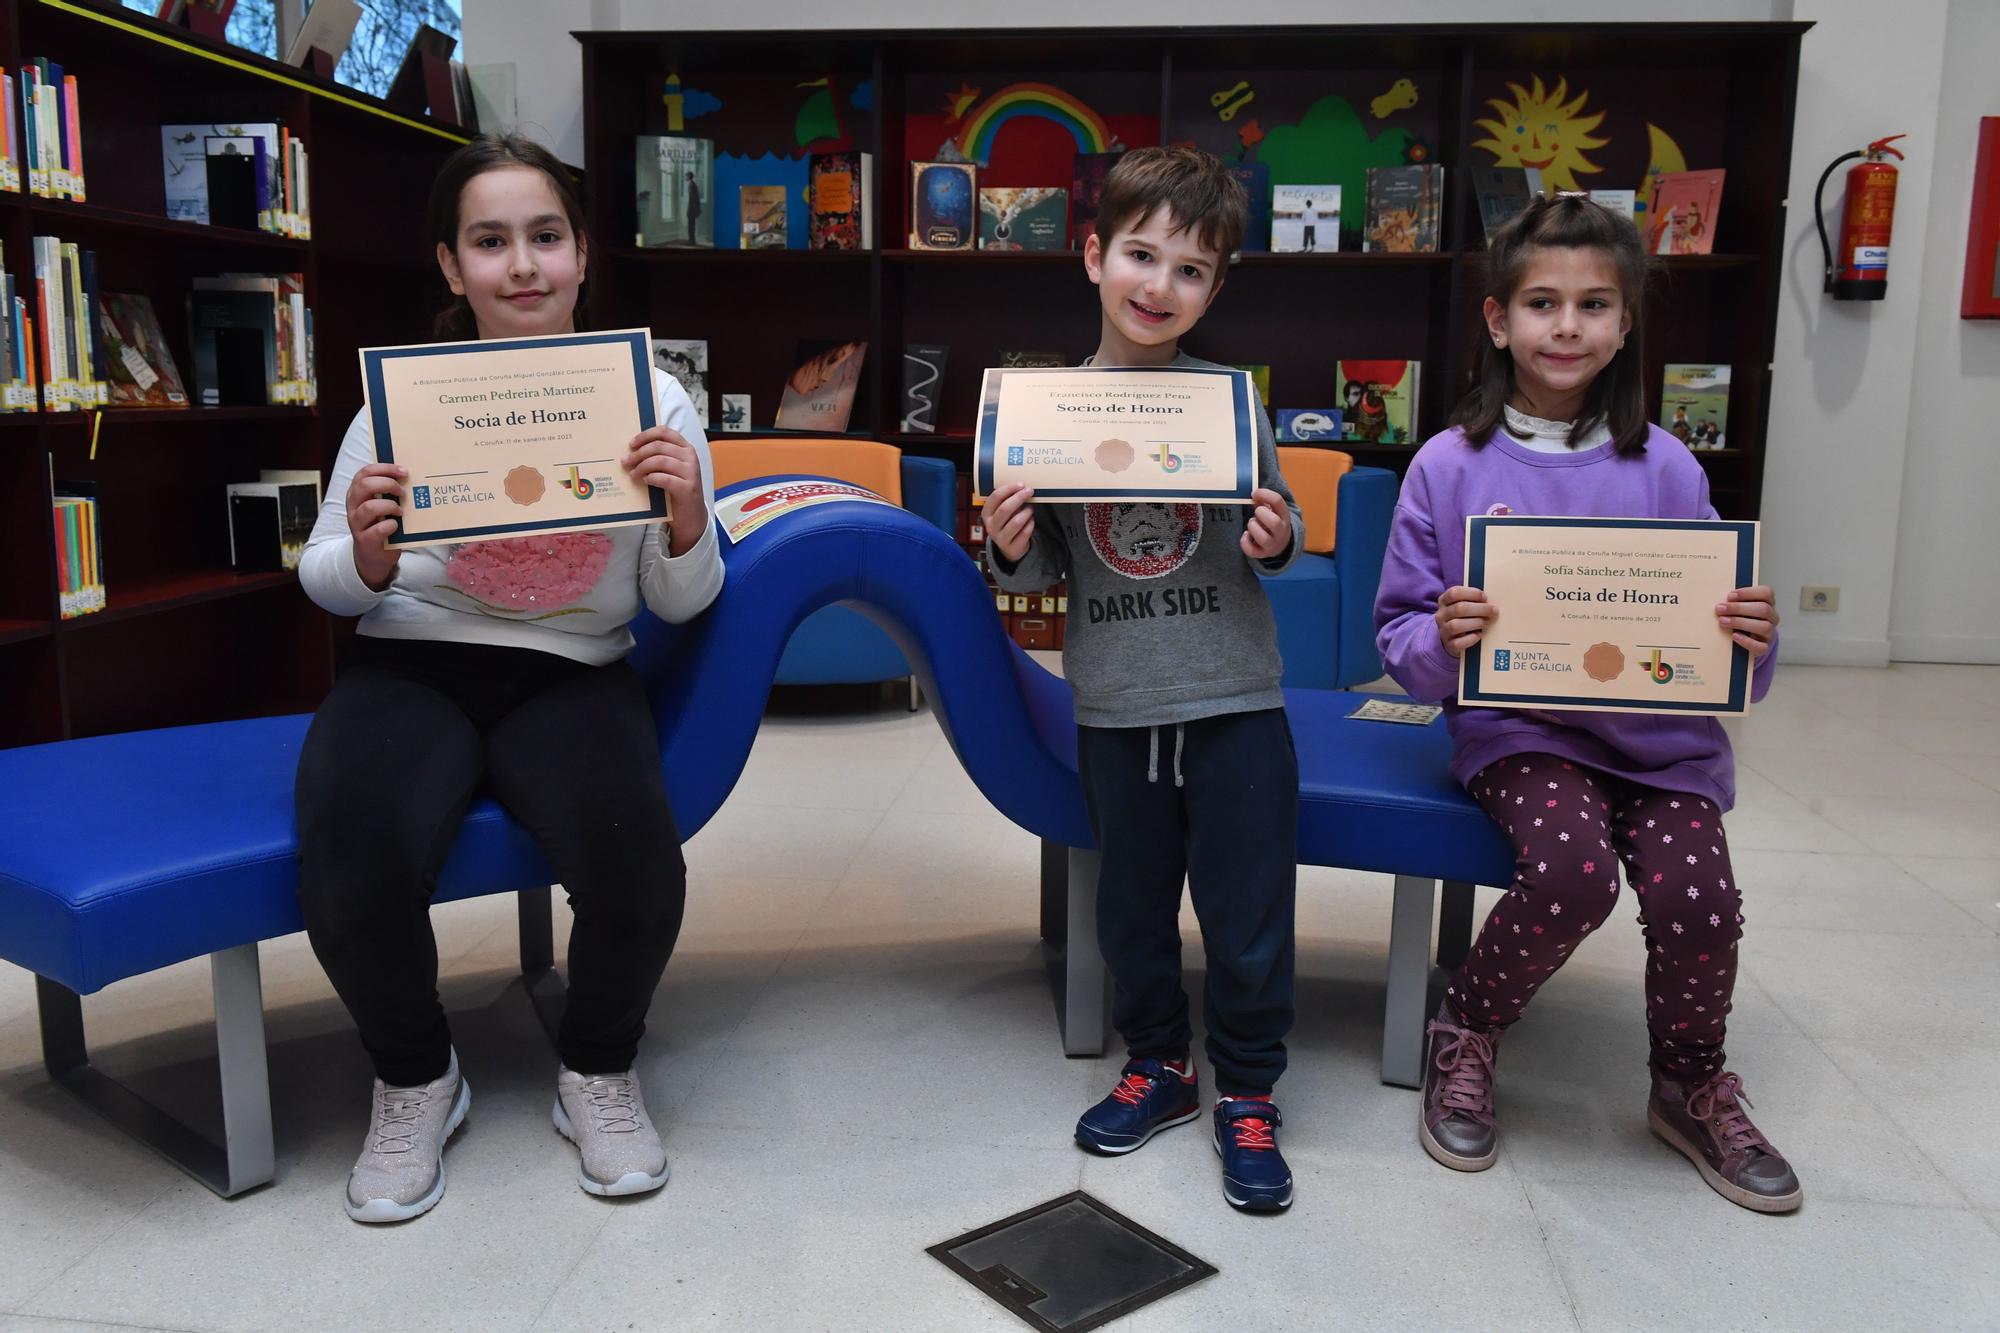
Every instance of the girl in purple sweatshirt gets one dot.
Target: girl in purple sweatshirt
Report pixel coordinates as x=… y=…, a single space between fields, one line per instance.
x=1555 y=424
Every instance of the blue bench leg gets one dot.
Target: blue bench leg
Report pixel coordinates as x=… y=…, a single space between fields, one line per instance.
x=1077 y=974
x=538 y=958
x=245 y=1158
x=1405 y=1013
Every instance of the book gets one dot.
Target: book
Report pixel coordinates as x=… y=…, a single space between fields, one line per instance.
x=923 y=381
x=1023 y=217
x=819 y=394
x=1380 y=401
x=1256 y=180
x=1681 y=215
x=1403 y=209
x=328 y=25
x=675 y=182
x=183 y=163
x=1086 y=193
x=843 y=190
x=137 y=363
x=1504 y=193
x=233 y=336
x=763 y=214
x=79 y=551
x=289 y=375
x=269 y=522
x=1624 y=203
x=686 y=359
x=1305 y=219
x=735 y=412
x=1694 y=404
x=1031 y=360
x=1260 y=375
x=944 y=205
x=1308 y=425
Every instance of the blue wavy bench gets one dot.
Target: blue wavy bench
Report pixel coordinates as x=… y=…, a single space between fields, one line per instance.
x=128 y=853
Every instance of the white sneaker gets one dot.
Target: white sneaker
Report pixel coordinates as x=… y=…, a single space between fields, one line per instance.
x=604 y=1115
x=400 y=1173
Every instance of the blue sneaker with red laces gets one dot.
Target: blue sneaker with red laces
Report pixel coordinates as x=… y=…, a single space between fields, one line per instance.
x=1151 y=1095
x=1255 y=1178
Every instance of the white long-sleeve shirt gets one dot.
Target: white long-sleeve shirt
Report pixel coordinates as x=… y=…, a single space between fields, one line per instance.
x=571 y=593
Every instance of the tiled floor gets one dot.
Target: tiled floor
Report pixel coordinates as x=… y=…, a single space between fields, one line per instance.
x=854 y=1056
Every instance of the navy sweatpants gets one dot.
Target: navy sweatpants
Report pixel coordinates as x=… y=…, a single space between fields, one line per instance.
x=1213 y=802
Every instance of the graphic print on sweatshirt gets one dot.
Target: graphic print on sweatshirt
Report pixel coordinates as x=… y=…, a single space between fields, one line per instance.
x=528 y=578
x=1143 y=541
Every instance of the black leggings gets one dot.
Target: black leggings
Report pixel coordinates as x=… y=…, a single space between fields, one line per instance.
x=412 y=731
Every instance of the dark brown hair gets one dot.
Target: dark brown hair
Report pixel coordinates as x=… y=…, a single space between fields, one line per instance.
x=488 y=152
x=1617 y=397
x=1203 y=195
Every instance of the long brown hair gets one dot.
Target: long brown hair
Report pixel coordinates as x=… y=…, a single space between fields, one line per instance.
x=1617 y=397
x=488 y=152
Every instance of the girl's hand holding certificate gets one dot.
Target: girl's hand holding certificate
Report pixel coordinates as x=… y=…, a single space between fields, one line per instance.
x=374 y=502
x=661 y=457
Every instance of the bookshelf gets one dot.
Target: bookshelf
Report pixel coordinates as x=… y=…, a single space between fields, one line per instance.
x=1722 y=94
x=183 y=637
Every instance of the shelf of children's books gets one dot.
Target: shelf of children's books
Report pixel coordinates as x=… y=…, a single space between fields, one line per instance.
x=21 y=631
x=127 y=598
x=684 y=254
x=64 y=217
x=1672 y=263
x=152 y=416
x=997 y=258
x=1343 y=258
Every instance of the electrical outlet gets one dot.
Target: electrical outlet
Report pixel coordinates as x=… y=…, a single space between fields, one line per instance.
x=1813 y=598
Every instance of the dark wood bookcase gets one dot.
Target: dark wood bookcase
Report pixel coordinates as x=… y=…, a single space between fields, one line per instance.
x=183 y=637
x=1724 y=94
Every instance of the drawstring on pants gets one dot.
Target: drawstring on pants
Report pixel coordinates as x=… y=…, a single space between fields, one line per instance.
x=1153 y=753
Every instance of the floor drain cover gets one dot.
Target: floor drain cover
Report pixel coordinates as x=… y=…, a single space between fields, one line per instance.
x=1070 y=1264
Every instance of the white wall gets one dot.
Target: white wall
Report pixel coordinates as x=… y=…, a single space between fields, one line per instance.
x=1878 y=460
x=1946 y=604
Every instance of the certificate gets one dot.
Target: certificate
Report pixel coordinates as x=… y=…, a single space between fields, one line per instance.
x=1186 y=435
x=1608 y=615
x=516 y=436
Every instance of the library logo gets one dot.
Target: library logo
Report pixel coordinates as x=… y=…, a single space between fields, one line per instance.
x=1169 y=460
x=579 y=485
x=421 y=496
x=1660 y=671
x=1503 y=659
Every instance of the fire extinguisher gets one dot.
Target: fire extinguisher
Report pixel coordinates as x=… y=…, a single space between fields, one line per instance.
x=1861 y=270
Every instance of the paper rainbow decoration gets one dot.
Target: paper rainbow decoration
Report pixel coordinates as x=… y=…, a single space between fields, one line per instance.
x=983 y=122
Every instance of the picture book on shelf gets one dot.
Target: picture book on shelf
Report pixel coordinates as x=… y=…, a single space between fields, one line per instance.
x=1256 y=180
x=1086 y=193
x=137 y=363
x=1694 y=404
x=675 y=187
x=842 y=185
x=686 y=359
x=1403 y=209
x=1308 y=425
x=735 y=412
x=819 y=395
x=1681 y=217
x=1305 y=219
x=763 y=216
x=1023 y=217
x=1504 y=193
x=923 y=382
x=944 y=205
x=1378 y=401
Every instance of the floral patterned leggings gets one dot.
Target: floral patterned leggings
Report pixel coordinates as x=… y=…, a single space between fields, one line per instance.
x=1568 y=820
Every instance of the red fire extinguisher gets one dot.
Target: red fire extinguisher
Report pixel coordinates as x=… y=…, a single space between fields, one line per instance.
x=1859 y=271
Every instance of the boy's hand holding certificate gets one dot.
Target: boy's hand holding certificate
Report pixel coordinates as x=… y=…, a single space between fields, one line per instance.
x=1185 y=435
x=1609 y=615
x=511 y=437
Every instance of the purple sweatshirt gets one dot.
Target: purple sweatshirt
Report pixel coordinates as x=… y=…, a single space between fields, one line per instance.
x=1450 y=479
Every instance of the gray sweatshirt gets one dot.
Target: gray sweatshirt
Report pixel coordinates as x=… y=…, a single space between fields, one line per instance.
x=1167 y=619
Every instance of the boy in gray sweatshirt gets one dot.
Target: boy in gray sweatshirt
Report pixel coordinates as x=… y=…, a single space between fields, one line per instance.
x=1182 y=744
